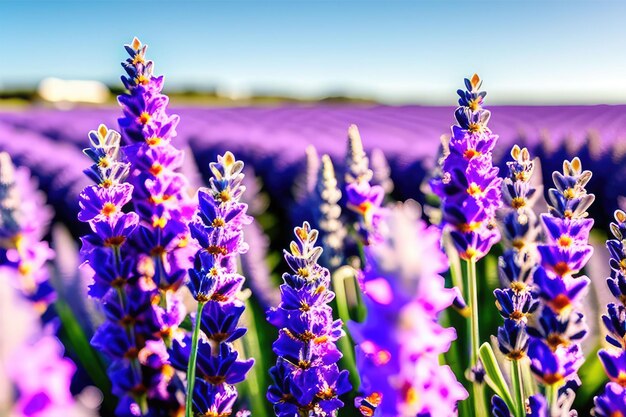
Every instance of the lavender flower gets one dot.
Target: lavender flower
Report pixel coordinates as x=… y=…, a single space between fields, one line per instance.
x=159 y=190
x=214 y=283
x=43 y=380
x=24 y=219
x=130 y=337
x=612 y=401
x=517 y=302
x=306 y=378
x=363 y=199
x=558 y=327
x=400 y=341
x=469 y=188
x=163 y=249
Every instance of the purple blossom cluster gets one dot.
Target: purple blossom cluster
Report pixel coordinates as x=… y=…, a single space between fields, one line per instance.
x=43 y=380
x=400 y=341
x=37 y=369
x=130 y=336
x=214 y=283
x=24 y=220
x=558 y=326
x=469 y=186
x=159 y=193
x=306 y=378
x=363 y=198
x=612 y=401
x=516 y=302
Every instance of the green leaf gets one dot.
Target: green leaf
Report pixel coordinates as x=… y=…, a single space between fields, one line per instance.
x=495 y=379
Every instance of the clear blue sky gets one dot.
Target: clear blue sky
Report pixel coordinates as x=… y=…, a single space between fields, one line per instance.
x=419 y=51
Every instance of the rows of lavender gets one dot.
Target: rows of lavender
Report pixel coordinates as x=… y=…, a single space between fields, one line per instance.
x=175 y=301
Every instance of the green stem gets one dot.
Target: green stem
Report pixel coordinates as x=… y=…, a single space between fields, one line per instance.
x=518 y=385
x=477 y=388
x=345 y=343
x=191 y=366
x=552 y=395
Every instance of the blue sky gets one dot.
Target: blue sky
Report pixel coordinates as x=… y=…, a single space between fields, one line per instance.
x=558 y=51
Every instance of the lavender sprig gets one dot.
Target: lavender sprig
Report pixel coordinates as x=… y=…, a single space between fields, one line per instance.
x=307 y=380
x=163 y=249
x=470 y=191
x=363 y=198
x=214 y=283
x=24 y=220
x=612 y=401
x=400 y=341
x=558 y=327
x=516 y=302
x=138 y=371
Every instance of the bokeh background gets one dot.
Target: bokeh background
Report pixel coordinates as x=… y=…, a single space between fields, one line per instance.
x=268 y=79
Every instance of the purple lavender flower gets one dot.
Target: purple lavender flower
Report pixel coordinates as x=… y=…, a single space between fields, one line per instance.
x=558 y=327
x=611 y=402
x=159 y=190
x=535 y=407
x=554 y=366
x=131 y=335
x=469 y=181
x=43 y=380
x=215 y=283
x=399 y=368
x=363 y=198
x=520 y=226
x=469 y=187
x=306 y=377
x=24 y=219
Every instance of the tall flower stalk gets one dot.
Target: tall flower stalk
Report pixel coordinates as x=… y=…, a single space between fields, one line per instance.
x=130 y=336
x=470 y=191
x=306 y=378
x=24 y=220
x=612 y=401
x=516 y=302
x=400 y=341
x=559 y=327
x=363 y=198
x=162 y=246
x=159 y=189
x=211 y=361
x=43 y=379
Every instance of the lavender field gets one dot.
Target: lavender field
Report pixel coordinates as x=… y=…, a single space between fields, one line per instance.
x=273 y=140
x=403 y=142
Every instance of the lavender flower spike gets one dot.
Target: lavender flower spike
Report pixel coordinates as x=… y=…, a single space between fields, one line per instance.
x=470 y=193
x=163 y=249
x=469 y=188
x=516 y=302
x=363 y=198
x=612 y=402
x=400 y=341
x=139 y=371
x=307 y=381
x=215 y=283
x=24 y=219
x=558 y=327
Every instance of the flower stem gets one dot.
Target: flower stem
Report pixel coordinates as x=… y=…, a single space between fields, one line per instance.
x=518 y=384
x=191 y=366
x=478 y=390
x=552 y=394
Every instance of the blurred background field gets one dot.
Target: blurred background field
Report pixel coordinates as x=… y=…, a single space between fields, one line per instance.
x=266 y=81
